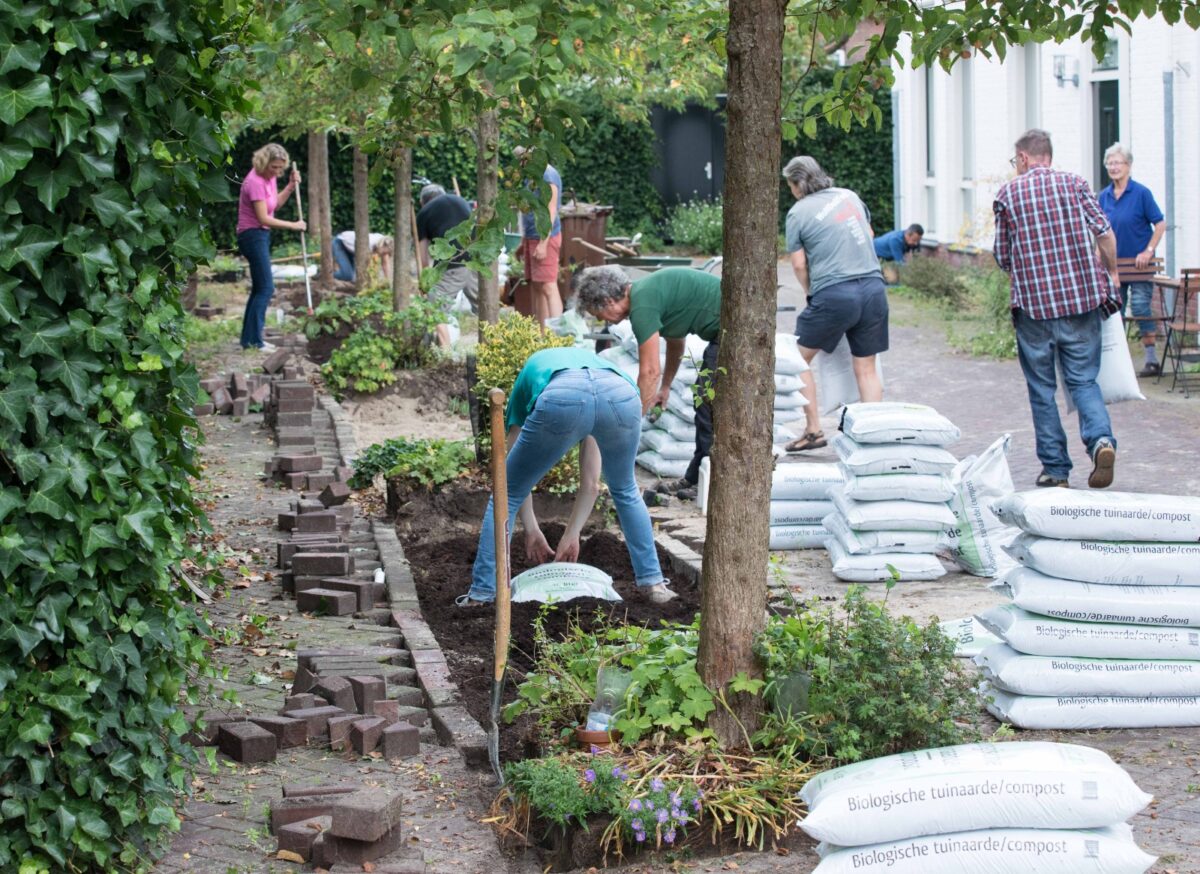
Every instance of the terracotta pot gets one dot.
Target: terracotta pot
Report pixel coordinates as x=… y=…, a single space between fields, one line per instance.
x=588 y=738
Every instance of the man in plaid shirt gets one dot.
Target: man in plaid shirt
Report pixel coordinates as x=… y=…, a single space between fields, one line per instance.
x=1046 y=222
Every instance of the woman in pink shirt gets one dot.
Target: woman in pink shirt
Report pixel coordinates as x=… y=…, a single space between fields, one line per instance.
x=257 y=203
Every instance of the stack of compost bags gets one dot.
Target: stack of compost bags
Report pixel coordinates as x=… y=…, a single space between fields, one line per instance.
x=1003 y=808
x=1104 y=628
x=800 y=502
x=891 y=513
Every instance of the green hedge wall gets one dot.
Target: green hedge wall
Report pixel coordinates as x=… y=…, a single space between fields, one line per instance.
x=110 y=145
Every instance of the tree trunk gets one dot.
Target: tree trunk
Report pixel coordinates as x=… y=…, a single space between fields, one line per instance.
x=487 y=187
x=734 y=582
x=403 y=254
x=362 y=219
x=318 y=204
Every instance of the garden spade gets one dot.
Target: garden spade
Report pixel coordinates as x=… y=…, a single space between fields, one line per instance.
x=503 y=607
x=304 y=249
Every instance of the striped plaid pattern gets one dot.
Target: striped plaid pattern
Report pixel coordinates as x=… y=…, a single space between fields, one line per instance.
x=1045 y=224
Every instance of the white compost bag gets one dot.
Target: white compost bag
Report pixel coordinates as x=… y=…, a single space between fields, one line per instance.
x=684 y=390
x=879 y=567
x=1091 y=712
x=976 y=539
x=787 y=382
x=834 y=372
x=782 y=434
x=804 y=481
x=1108 y=850
x=684 y=432
x=788 y=360
x=1075 y=514
x=799 y=512
x=791 y=400
x=898 y=423
x=868 y=542
x=1098 y=561
x=666 y=468
x=892 y=515
x=923 y=487
x=667 y=446
x=1040 y=635
x=681 y=408
x=1011 y=671
x=562 y=581
x=793 y=417
x=798 y=537
x=969 y=636
x=971 y=786
x=1117 y=379
x=868 y=459
x=1034 y=592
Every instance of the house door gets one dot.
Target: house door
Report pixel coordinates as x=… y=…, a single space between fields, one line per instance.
x=1108 y=125
x=691 y=147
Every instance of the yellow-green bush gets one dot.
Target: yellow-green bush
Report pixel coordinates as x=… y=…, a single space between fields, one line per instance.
x=506 y=347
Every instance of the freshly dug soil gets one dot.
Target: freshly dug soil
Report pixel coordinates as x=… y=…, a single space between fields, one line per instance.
x=441 y=566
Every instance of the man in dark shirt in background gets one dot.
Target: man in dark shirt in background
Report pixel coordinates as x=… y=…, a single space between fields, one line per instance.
x=440 y=213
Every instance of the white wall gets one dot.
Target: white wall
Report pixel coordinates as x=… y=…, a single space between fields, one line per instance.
x=980 y=112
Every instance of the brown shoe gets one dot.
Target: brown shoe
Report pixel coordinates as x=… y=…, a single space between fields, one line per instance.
x=1151 y=368
x=811 y=440
x=1104 y=458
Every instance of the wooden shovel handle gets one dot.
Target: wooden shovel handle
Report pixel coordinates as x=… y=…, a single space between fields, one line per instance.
x=500 y=518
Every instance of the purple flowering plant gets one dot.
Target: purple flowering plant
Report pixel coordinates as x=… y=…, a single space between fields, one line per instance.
x=660 y=812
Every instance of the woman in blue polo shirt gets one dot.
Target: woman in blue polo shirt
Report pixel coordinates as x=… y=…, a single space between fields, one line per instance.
x=1138 y=223
x=563 y=397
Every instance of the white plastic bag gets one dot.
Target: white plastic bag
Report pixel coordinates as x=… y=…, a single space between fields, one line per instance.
x=898 y=423
x=892 y=515
x=1108 y=850
x=923 y=487
x=1042 y=635
x=1091 y=711
x=562 y=581
x=799 y=512
x=1012 y=671
x=868 y=542
x=666 y=468
x=1177 y=606
x=1075 y=514
x=883 y=566
x=970 y=786
x=1117 y=379
x=867 y=459
x=798 y=537
x=1099 y=561
x=969 y=636
x=788 y=360
x=976 y=539
x=804 y=481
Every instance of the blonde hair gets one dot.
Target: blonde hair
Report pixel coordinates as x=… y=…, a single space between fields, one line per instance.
x=268 y=153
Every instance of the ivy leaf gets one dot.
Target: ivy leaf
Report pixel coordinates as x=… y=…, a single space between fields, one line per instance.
x=10 y=310
x=13 y=158
x=52 y=184
x=15 y=399
x=33 y=244
x=77 y=467
x=72 y=371
x=20 y=56
x=35 y=727
x=16 y=103
x=50 y=498
x=99 y=537
x=93 y=825
x=44 y=339
x=139 y=523
x=10 y=499
x=112 y=205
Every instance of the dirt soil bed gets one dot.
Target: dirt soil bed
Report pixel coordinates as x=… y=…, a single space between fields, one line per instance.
x=441 y=565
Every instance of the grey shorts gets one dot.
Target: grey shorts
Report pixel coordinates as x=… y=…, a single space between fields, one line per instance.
x=856 y=309
x=456 y=278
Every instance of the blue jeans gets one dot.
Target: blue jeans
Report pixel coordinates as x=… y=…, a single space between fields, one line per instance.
x=255 y=245
x=344 y=259
x=574 y=404
x=1073 y=342
x=1139 y=295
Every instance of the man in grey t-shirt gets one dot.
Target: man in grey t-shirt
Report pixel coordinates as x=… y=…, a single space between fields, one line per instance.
x=829 y=236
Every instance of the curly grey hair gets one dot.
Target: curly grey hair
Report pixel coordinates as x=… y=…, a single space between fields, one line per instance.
x=596 y=287
x=431 y=192
x=806 y=174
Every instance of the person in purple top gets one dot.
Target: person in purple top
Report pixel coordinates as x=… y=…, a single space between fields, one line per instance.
x=1139 y=225
x=257 y=202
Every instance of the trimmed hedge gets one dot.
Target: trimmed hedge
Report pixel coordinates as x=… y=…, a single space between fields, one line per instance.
x=108 y=151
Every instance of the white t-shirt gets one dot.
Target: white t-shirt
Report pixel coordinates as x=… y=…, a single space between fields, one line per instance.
x=346 y=238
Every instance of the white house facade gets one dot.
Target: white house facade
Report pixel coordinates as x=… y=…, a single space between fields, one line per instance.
x=954 y=132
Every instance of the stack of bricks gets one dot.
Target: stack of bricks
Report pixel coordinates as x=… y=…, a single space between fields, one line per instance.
x=234 y=395
x=289 y=410
x=316 y=561
x=336 y=826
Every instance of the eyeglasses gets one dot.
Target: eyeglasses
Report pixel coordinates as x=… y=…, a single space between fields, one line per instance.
x=1012 y=162
x=1115 y=162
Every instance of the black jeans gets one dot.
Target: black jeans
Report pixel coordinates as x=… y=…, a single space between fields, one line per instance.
x=704 y=411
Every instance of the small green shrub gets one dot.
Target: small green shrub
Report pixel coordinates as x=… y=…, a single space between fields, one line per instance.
x=935 y=279
x=369 y=357
x=333 y=312
x=430 y=463
x=991 y=293
x=698 y=224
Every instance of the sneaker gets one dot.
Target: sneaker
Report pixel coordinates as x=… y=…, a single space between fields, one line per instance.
x=673 y=486
x=268 y=347
x=468 y=601
x=1104 y=458
x=686 y=494
x=1045 y=481
x=660 y=594
x=1151 y=368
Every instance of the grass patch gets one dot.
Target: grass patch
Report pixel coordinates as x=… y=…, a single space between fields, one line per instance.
x=972 y=303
